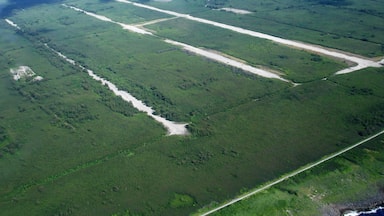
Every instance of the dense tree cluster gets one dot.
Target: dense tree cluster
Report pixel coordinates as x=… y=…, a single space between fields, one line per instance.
x=115 y=103
x=18 y=4
x=332 y=2
x=370 y=121
x=215 y=3
x=6 y=145
x=3 y=134
x=77 y=113
x=201 y=129
x=193 y=159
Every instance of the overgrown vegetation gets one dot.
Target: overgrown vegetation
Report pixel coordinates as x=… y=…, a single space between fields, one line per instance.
x=349 y=25
x=181 y=200
x=7 y=146
x=215 y=4
x=295 y=65
x=370 y=121
x=114 y=103
x=332 y=2
x=351 y=181
x=69 y=146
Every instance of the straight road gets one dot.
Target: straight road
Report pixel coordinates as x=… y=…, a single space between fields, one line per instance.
x=289 y=175
x=361 y=62
x=211 y=55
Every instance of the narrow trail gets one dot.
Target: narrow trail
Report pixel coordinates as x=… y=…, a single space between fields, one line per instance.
x=106 y=19
x=154 y=21
x=78 y=168
x=226 y=60
x=361 y=62
x=174 y=128
x=11 y=23
x=289 y=175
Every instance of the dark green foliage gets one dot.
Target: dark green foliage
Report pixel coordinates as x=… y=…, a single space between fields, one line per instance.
x=360 y=91
x=369 y=121
x=6 y=144
x=11 y=148
x=214 y=4
x=353 y=179
x=246 y=130
x=181 y=200
x=332 y=2
x=193 y=159
x=287 y=190
x=115 y=103
x=295 y=65
x=203 y=128
x=77 y=113
x=18 y=4
x=3 y=134
x=316 y=58
x=349 y=25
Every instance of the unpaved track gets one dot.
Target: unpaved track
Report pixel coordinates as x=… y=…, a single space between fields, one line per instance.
x=211 y=55
x=361 y=62
x=12 y=24
x=173 y=128
x=106 y=19
x=226 y=60
x=289 y=175
x=154 y=21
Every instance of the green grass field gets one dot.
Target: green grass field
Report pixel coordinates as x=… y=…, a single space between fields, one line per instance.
x=68 y=146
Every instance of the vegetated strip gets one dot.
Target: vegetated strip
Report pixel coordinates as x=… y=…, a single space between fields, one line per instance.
x=25 y=187
x=154 y=21
x=201 y=52
x=289 y=175
x=226 y=60
x=173 y=128
x=361 y=63
x=106 y=19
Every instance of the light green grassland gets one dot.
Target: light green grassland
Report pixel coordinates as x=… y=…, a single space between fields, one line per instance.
x=68 y=146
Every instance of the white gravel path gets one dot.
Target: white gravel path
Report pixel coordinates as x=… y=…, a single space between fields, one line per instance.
x=173 y=128
x=361 y=62
x=211 y=55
